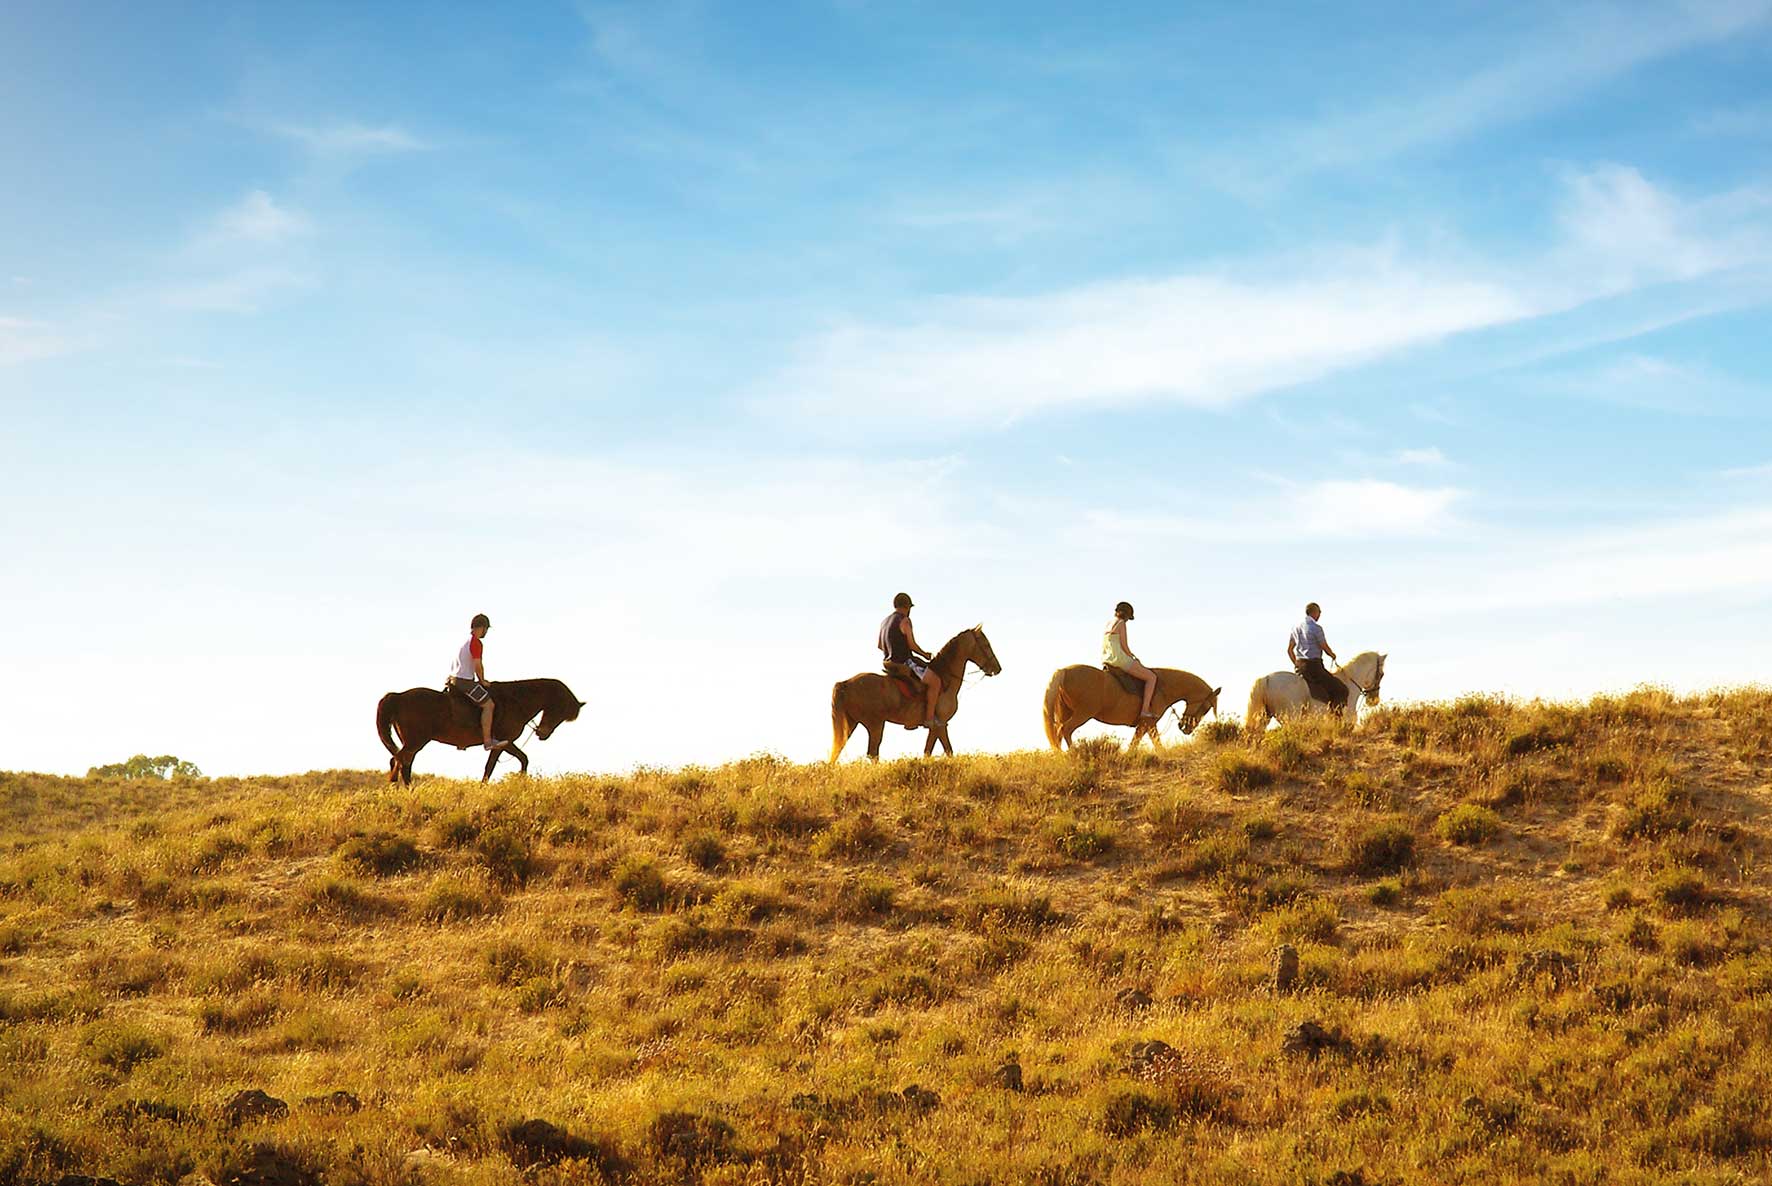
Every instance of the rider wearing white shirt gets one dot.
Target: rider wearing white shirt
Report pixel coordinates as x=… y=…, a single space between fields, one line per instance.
x=1306 y=649
x=468 y=680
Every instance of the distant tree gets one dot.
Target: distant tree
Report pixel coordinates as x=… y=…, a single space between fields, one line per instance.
x=141 y=766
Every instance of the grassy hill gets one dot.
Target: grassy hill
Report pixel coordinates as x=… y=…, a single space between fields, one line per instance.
x=1531 y=946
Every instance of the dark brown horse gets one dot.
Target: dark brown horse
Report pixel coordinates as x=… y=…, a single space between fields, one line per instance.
x=424 y=715
x=870 y=700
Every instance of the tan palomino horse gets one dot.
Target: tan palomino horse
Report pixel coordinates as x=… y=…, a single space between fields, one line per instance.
x=1082 y=693
x=870 y=700
x=1284 y=694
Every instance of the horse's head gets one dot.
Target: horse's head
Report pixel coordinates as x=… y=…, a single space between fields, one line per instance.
x=982 y=654
x=560 y=708
x=1197 y=710
x=1371 y=689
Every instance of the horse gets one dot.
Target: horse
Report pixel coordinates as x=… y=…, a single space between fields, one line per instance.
x=1082 y=693
x=1285 y=694
x=871 y=699
x=424 y=715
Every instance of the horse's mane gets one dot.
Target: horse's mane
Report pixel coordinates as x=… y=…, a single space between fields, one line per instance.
x=1191 y=686
x=949 y=649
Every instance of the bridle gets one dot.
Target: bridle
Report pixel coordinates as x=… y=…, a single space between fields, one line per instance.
x=1370 y=693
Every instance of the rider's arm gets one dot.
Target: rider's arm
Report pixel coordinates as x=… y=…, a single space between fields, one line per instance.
x=1125 y=640
x=1330 y=651
x=911 y=637
x=479 y=667
x=1292 y=650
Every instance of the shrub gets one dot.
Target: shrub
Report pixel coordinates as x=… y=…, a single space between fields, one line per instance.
x=1680 y=888
x=639 y=882
x=852 y=836
x=345 y=899
x=380 y=854
x=239 y=1015
x=1475 y=911
x=1219 y=732
x=1540 y=736
x=1311 y=920
x=860 y=898
x=510 y=962
x=1383 y=847
x=1385 y=893
x=1660 y=808
x=1080 y=841
x=1009 y=908
x=1468 y=824
x=1359 y=1101
x=507 y=855
x=1130 y=1112
x=1176 y=816
x=450 y=900
x=765 y=812
x=1247 y=891
x=705 y=851
x=119 y=1046
x=1237 y=771
x=1214 y=854
x=456 y=829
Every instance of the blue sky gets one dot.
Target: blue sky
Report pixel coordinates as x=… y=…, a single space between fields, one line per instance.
x=678 y=337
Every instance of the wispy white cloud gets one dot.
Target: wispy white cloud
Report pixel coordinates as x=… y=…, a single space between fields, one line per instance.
x=352 y=139
x=1574 y=50
x=1370 y=507
x=1206 y=340
x=1283 y=509
x=23 y=339
x=1746 y=121
x=1427 y=456
x=1652 y=382
x=1749 y=472
x=259 y=218
x=1211 y=338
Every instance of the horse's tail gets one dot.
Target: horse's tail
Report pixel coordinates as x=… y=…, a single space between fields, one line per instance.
x=1050 y=717
x=841 y=725
x=1255 y=721
x=384 y=722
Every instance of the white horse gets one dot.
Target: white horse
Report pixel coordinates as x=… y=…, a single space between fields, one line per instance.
x=1285 y=694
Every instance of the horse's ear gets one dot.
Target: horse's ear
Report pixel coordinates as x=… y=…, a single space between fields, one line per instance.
x=1215 y=692
x=581 y=703
x=979 y=626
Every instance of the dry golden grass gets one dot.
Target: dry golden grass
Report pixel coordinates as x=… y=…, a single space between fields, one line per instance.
x=1532 y=940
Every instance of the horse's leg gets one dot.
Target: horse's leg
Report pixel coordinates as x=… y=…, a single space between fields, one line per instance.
x=522 y=758
x=875 y=731
x=491 y=761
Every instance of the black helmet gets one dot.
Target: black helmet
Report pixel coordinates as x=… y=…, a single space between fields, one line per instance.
x=902 y=601
x=480 y=620
x=1124 y=610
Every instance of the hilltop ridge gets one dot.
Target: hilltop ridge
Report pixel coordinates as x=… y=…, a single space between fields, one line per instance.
x=1530 y=941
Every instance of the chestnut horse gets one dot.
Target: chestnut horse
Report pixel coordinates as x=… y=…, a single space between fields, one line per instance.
x=870 y=700
x=424 y=715
x=1082 y=693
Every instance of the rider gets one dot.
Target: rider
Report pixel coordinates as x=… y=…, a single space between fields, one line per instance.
x=1306 y=649
x=468 y=680
x=1115 y=653
x=899 y=645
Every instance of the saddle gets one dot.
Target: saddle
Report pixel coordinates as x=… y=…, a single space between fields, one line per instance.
x=1127 y=680
x=908 y=681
